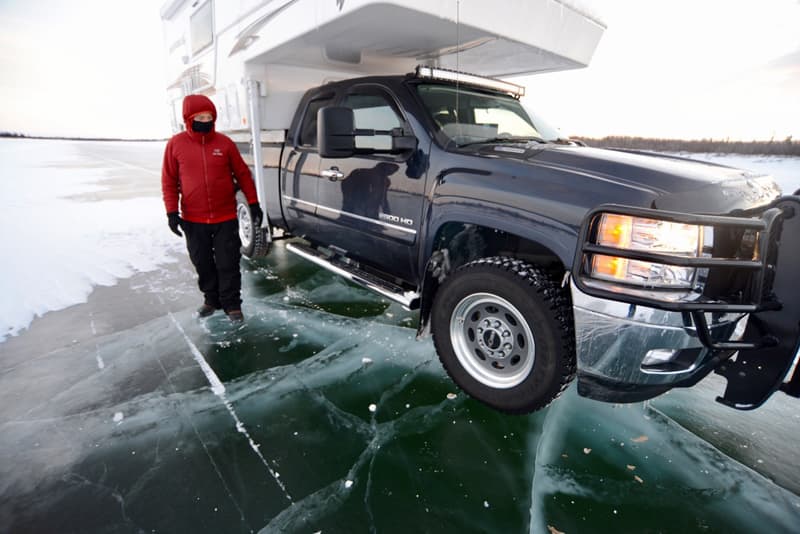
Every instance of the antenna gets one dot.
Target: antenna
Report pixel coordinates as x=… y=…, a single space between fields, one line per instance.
x=458 y=65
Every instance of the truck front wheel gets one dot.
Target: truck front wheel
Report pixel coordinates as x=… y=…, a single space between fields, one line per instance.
x=504 y=332
x=255 y=242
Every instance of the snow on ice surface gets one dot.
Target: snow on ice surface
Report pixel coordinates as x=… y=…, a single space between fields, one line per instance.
x=57 y=246
x=785 y=169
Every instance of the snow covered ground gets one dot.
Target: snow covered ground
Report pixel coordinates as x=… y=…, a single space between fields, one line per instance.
x=785 y=169
x=74 y=217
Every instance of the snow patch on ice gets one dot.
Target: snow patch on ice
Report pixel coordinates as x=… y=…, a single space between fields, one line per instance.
x=57 y=248
x=118 y=417
x=785 y=169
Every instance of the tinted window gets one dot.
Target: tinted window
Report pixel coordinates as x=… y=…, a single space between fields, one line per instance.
x=373 y=112
x=468 y=116
x=308 y=130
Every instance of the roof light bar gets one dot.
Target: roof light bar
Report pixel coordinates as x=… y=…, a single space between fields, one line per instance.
x=470 y=79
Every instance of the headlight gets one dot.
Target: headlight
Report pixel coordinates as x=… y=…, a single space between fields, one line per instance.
x=649 y=235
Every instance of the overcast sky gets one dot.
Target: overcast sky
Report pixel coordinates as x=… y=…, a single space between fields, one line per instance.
x=666 y=68
x=684 y=69
x=82 y=67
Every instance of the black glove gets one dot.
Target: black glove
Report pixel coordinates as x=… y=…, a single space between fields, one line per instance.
x=256 y=214
x=174 y=222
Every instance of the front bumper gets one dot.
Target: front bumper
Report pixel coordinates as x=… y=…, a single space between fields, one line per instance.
x=635 y=343
x=629 y=353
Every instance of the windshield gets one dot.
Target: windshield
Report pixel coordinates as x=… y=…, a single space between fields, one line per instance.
x=468 y=117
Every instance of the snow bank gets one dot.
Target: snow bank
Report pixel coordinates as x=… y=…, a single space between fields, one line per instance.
x=56 y=249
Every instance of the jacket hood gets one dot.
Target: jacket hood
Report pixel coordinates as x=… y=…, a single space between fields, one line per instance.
x=194 y=104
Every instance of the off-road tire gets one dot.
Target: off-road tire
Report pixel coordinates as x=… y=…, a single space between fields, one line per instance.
x=255 y=242
x=494 y=289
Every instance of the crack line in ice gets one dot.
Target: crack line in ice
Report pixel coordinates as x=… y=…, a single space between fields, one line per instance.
x=668 y=420
x=100 y=363
x=375 y=428
x=216 y=384
x=536 y=516
x=116 y=495
x=368 y=492
x=203 y=443
x=218 y=388
x=303 y=512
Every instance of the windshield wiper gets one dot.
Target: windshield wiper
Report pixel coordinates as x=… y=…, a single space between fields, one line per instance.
x=504 y=140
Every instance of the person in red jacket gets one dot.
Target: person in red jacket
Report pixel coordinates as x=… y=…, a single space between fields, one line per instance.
x=200 y=173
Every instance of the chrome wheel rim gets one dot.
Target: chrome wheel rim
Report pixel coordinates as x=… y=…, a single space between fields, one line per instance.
x=245 y=225
x=492 y=340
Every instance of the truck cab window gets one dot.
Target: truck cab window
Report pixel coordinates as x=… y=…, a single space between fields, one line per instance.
x=506 y=120
x=466 y=116
x=373 y=112
x=308 y=129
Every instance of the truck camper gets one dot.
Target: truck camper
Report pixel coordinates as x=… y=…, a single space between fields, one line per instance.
x=388 y=146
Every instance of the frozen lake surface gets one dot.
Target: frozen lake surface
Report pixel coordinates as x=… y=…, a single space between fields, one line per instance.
x=121 y=412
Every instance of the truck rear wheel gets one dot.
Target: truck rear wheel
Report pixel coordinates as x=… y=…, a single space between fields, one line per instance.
x=504 y=332
x=255 y=242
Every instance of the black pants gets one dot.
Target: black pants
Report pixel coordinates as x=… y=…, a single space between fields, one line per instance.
x=215 y=253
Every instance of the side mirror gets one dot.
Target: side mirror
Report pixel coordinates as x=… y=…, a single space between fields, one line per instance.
x=402 y=143
x=335 y=132
x=336 y=136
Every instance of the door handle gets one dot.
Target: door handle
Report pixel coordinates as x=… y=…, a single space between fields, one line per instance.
x=333 y=174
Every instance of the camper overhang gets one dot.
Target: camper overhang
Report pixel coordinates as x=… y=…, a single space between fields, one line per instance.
x=383 y=37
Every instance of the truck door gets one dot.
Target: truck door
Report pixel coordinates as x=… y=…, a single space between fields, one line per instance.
x=371 y=205
x=300 y=175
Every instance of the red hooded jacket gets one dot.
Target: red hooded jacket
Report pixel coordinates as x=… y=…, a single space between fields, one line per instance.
x=199 y=170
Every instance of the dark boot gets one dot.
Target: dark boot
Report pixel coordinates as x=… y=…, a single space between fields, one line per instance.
x=236 y=316
x=205 y=310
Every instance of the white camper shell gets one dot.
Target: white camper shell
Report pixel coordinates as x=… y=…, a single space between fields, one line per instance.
x=281 y=48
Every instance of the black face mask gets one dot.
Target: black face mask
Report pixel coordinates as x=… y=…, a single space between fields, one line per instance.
x=202 y=127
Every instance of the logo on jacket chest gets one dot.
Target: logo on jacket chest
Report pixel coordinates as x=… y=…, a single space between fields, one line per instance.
x=217 y=152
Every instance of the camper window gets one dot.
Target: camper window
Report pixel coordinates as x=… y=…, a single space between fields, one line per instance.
x=201 y=27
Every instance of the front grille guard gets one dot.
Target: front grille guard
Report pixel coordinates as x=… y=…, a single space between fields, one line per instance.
x=769 y=352
x=757 y=298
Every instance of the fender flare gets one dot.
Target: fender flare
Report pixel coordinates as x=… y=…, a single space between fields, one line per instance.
x=559 y=238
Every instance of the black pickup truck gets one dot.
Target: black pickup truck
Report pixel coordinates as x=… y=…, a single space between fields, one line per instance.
x=533 y=259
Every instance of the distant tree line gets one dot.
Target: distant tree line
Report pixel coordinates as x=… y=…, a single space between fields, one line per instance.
x=26 y=136
x=786 y=147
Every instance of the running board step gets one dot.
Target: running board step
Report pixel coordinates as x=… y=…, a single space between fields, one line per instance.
x=409 y=299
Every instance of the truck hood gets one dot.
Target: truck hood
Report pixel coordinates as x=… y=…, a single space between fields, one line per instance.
x=677 y=184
